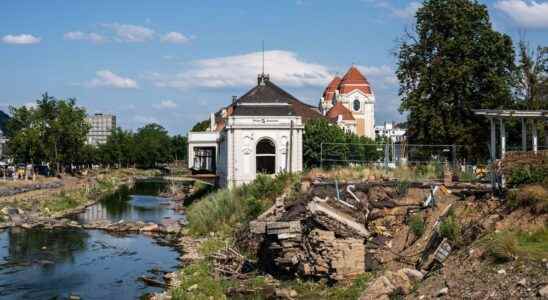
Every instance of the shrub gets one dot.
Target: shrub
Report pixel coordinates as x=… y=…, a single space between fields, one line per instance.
x=527 y=175
x=450 y=228
x=402 y=187
x=417 y=225
x=534 y=196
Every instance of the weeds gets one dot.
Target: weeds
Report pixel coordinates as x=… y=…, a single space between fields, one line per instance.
x=507 y=245
x=534 y=196
x=197 y=282
x=402 y=187
x=450 y=228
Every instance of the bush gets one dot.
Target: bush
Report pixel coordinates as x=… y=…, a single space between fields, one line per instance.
x=417 y=225
x=450 y=228
x=534 y=196
x=527 y=175
x=402 y=187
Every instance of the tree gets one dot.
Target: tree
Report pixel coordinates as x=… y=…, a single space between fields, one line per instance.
x=200 y=126
x=532 y=77
x=179 y=146
x=152 y=145
x=53 y=131
x=453 y=64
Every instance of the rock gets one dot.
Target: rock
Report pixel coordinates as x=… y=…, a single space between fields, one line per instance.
x=284 y=293
x=401 y=282
x=149 y=228
x=442 y=292
x=543 y=292
x=74 y=297
x=522 y=282
x=501 y=271
x=413 y=275
x=380 y=288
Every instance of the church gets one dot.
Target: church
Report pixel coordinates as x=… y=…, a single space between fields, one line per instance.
x=350 y=103
x=260 y=132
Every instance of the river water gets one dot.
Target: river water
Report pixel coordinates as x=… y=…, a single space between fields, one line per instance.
x=53 y=264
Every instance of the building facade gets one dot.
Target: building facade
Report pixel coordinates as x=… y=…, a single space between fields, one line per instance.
x=258 y=133
x=349 y=101
x=392 y=131
x=101 y=128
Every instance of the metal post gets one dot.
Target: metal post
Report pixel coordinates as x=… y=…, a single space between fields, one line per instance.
x=535 y=137
x=386 y=155
x=523 y=135
x=291 y=148
x=493 y=140
x=502 y=138
x=321 y=155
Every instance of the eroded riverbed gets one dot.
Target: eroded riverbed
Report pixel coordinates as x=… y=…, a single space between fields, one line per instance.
x=93 y=264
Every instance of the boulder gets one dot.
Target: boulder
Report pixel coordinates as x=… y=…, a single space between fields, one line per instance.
x=380 y=288
x=543 y=292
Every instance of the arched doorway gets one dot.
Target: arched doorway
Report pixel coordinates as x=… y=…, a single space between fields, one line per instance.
x=266 y=156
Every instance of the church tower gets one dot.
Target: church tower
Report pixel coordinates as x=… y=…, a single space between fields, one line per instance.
x=354 y=92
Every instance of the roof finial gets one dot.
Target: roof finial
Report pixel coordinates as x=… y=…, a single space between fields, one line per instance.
x=263 y=59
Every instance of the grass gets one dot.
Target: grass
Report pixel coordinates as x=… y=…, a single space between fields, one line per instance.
x=197 y=282
x=450 y=228
x=321 y=290
x=533 y=196
x=225 y=210
x=509 y=244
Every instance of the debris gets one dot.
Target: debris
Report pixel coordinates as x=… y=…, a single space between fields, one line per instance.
x=151 y=281
x=543 y=292
x=442 y=292
x=325 y=215
x=228 y=262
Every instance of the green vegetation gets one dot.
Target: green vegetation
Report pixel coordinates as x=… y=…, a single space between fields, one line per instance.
x=527 y=175
x=534 y=196
x=450 y=228
x=507 y=245
x=417 y=225
x=354 y=149
x=222 y=211
x=54 y=131
x=444 y=74
x=402 y=186
x=197 y=282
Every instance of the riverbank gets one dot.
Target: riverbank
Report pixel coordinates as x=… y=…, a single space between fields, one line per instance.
x=50 y=200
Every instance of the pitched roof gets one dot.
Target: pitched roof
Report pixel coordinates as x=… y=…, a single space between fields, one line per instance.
x=339 y=109
x=329 y=91
x=352 y=80
x=264 y=93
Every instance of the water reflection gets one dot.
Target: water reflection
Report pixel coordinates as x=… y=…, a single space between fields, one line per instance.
x=52 y=264
x=139 y=203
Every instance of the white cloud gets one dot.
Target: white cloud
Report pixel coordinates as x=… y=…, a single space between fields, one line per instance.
x=131 y=33
x=166 y=104
x=525 y=13
x=106 y=78
x=82 y=36
x=407 y=12
x=21 y=39
x=285 y=68
x=175 y=38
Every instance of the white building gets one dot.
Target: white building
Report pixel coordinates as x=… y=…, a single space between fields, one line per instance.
x=393 y=131
x=101 y=128
x=349 y=101
x=261 y=132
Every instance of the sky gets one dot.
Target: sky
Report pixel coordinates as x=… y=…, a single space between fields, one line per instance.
x=174 y=61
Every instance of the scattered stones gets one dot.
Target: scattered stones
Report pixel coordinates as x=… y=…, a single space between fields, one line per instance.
x=522 y=282
x=543 y=292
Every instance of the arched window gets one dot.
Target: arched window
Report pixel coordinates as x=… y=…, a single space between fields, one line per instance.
x=357 y=105
x=266 y=156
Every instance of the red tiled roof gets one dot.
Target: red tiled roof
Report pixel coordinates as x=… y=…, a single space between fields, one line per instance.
x=339 y=109
x=354 y=80
x=329 y=92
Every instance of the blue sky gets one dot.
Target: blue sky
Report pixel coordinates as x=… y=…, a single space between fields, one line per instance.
x=173 y=62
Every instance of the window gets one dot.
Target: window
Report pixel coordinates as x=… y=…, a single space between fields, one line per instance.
x=266 y=156
x=357 y=105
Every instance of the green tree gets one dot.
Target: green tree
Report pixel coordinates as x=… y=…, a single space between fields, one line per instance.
x=53 y=131
x=179 y=146
x=200 y=126
x=152 y=145
x=322 y=139
x=453 y=64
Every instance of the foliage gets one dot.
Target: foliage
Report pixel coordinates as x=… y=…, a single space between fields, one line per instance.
x=534 y=196
x=179 y=149
x=197 y=282
x=532 y=77
x=226 y=209
x=455 y=63
x=327 y=141
x=321 y=290
x=54 y=131
x=417 y=225
x=200 y=126
x=402 y=186
x=450 y=228
x=506 y=245
x=527 y=175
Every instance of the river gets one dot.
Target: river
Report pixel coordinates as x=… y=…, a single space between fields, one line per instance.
x=92 y=264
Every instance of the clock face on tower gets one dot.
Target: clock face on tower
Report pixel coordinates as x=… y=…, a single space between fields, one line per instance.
x=356 y=105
